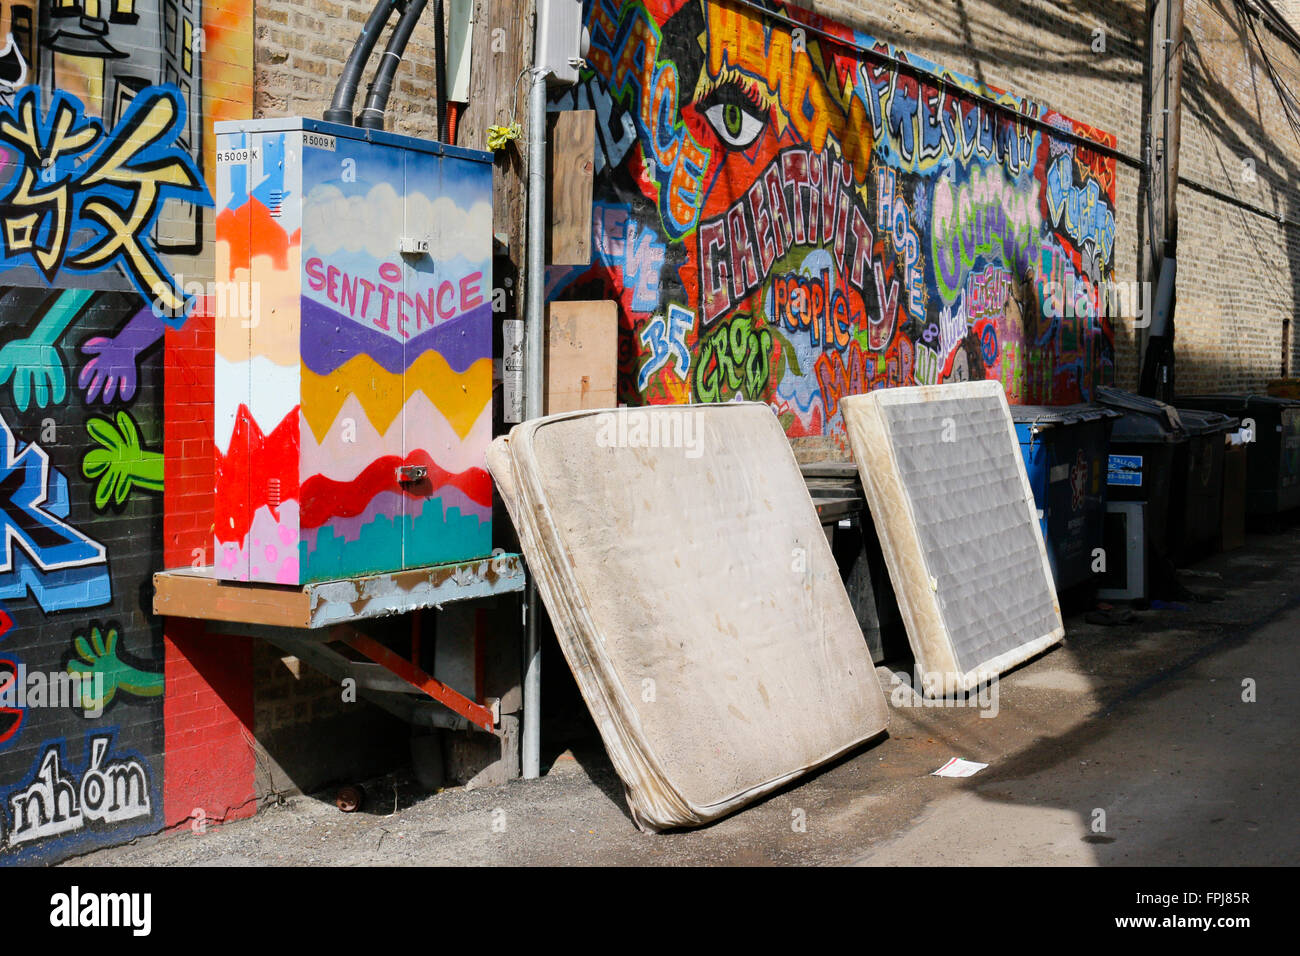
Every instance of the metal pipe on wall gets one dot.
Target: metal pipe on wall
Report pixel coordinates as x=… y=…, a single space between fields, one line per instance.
x=534 y=330
x=534 y=321
x=1156 y=372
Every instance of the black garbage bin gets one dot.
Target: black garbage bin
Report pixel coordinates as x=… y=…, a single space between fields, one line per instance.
x=1272 y=446
x=1139 y=480
x=1196 y=492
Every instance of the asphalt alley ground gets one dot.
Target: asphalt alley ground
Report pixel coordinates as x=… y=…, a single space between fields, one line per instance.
x=1134 y=744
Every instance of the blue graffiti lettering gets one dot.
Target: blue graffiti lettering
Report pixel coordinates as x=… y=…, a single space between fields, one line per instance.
x=62 y=567
x=665 y=336
x=1080 y=210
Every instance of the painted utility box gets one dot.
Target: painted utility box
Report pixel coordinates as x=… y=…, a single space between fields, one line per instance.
x=353 y=368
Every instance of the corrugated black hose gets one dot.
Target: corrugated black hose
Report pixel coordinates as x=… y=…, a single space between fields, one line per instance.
x=372 y=116
x=345 y=91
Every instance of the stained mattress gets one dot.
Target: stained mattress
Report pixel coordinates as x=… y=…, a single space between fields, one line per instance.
x=944 y=478
x=695 y=598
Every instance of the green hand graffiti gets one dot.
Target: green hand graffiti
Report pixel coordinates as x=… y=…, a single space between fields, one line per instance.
x=121 y=464
x=99 y=656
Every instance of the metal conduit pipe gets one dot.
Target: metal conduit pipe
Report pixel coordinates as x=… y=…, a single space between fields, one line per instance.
x=534 y=344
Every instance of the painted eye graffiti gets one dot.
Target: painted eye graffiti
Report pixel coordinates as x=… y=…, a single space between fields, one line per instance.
x=736 y=118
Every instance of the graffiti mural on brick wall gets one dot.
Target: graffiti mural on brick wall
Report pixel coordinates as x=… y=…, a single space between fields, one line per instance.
x=793 y=214
x=103 y=194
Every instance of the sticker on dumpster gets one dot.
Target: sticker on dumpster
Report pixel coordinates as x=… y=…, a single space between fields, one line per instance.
x=1124 y=470
x=1078 y=479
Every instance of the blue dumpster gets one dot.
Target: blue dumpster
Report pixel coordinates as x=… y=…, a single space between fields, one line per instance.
x=1065 y=452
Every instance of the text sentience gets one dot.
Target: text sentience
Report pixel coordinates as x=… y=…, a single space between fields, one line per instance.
x=386 y=304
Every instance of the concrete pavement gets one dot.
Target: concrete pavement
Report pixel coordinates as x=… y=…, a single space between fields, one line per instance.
x=1125 y=745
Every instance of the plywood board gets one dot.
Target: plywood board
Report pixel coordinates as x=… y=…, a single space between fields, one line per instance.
x=581 y=356
x=572 y=141
x=198 y=593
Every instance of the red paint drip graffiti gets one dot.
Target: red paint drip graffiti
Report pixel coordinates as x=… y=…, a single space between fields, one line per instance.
x=265 y=464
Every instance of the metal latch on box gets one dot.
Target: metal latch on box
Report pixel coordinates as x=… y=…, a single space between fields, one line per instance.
x=409 y=473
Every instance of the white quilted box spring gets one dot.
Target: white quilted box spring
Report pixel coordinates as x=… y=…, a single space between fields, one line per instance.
x=946 y=484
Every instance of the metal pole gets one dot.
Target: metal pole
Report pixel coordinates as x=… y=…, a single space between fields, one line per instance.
x=1165 y=43
x=534 y=331
x=534 y=326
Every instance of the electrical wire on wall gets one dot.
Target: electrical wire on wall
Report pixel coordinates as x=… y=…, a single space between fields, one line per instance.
x=1290 y=105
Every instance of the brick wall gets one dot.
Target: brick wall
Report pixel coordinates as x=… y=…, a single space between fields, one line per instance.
x=703 y=244
x=89 y=618
x=1230 y=330
x=208 y=709
x=300 y=49
x=1238 y=270
x=88 y=443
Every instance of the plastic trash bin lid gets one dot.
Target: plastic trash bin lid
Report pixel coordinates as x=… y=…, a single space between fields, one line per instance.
x=1200 y=422
x=1047 y=416
x=1145 y=419
x=1235 y=403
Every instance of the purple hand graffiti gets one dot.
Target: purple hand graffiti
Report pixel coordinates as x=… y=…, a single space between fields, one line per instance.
x=114 y=362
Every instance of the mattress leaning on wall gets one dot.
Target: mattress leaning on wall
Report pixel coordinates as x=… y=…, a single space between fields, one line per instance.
x=948 y=492
x=694 y=597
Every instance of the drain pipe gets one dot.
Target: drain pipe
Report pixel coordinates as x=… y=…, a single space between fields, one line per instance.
x=345 y=92
x=534 y=350
x=372 y=116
